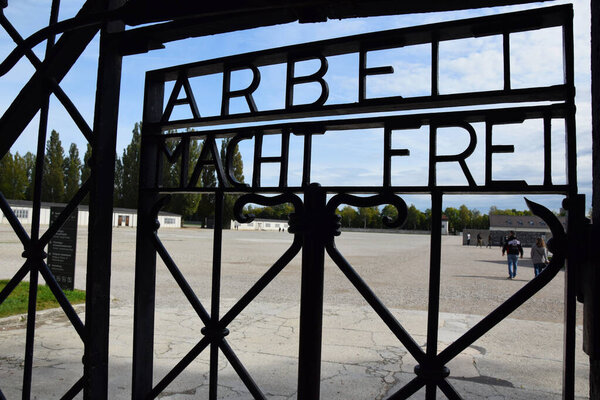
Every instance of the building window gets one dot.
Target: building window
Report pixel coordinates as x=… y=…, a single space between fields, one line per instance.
x=267 y=225
x=169 y=221
x=21 y=214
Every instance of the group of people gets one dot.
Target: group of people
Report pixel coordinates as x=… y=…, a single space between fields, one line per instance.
x=512 y=248
x=480 y=240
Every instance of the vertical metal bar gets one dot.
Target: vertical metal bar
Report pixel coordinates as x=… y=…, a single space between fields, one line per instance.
x=435 y=67
x=592 y=305
x=216 y=294
x=311 y=292
x=506 y=59
x=145 y=255
x=434 y=284
x=570 y=307
x=34 y=251
x=101 y=209
x=547 y=150
x=306 y=159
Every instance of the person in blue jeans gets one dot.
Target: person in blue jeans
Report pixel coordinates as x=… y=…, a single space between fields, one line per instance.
x=512 y=248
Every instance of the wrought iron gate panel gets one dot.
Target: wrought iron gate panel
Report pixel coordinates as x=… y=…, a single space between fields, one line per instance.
x=314 y=222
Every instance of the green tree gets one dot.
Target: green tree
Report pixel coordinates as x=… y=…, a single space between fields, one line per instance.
x=348 y=215
x=29 y=160
x=53 y=188
x=13 y=176
x=118 y=191
x=72 y=171
x=131 y=167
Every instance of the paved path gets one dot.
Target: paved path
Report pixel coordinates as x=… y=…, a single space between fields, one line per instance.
x=520 y=359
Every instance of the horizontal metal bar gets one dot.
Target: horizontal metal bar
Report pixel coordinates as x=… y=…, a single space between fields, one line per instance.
x=381 y=310
x=495 y=115
x=452 y=190
x=181 y=281
x=451 y=30
x=387 y=104
x=63 y=301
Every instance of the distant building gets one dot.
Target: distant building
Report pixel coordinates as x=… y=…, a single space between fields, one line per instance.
x=261 y=225
x=444 y=225
x=121 y=216
x=526 y=227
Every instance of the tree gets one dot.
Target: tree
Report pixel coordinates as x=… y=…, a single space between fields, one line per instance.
x=348 y=215
x=53 y=188
x=13 y=176
x=131 y=166
x=237 y=165
x=29 y=160
x=72 y=171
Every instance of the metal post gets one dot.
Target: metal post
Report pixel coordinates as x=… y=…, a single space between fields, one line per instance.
x=311 y=292
x=101 y=209
x=434 y=285
x=145 y=256
x=591 y=307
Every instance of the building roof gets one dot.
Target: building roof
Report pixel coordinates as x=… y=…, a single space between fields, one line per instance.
x=81 y=207
x=520 y=222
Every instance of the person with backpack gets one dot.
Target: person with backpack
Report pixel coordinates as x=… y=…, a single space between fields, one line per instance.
x=512 y=247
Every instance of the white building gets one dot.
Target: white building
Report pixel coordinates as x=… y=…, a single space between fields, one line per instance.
x=261 y=225
x=23 y=210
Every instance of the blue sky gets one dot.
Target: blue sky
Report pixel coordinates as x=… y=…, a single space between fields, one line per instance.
x=473 y=63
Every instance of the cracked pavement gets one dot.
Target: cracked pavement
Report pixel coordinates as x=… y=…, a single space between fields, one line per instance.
x=521 y=358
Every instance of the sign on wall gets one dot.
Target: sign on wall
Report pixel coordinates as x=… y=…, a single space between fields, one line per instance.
x=62 y=248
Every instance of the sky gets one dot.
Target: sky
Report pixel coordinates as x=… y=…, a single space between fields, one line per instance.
x=476 y=64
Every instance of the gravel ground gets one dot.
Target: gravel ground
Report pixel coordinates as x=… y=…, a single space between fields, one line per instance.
x=396 y=266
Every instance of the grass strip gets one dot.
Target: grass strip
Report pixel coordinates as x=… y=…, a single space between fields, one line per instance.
x=17 y=302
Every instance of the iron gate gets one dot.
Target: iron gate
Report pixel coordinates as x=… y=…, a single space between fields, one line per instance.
x=314 y=223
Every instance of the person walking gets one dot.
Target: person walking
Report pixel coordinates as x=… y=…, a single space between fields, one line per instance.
x=489 y=243
x=512 y=248
x=539 y=256
x=479 y=240
x=468 y=239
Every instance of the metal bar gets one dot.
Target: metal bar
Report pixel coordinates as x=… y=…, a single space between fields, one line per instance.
x=106 y=110
x=381 y=310
x=502 y=311
x=181 y=281
x=435 y=67
x=14 y=221
x=31 y=98
x=145 y=258
x=54 y=86
x=547 y=150
x=408 y=390
x=572 y=223
x=506 y=59
x=591 y=303
x=433 y=309
x=74 y=391
x=30 y=333
x=241 y=371
x=181 y=365
x=216 y=293
x=63 y=301
x=262 y=283
x=448 y=390
x=311 y=295
x=12 y=284
x=550 y=93
x=66 y=213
